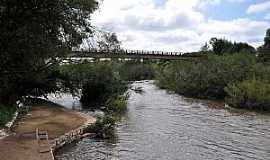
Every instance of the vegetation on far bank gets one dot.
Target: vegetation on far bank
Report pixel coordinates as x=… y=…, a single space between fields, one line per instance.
x=238 y=77
x=250 y=94
x=136 y=70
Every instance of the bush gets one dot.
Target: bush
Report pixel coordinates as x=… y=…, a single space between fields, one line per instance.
x=136 y=71
x=117 y=104
x=98 y=81
x=6 y=115
x=250 y=94
x=207 y=76
x=103 y=128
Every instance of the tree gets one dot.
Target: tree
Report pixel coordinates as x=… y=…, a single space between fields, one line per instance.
x=241 y=48
x=34 y=34
x=220 y=46
x=109 y=41
x=223 y=46
x=102 y=40
x=264 y=50
x=267 y=38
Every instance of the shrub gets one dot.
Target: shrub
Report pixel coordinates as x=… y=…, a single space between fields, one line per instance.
x=136 y=71
x=207 y=76
x=98 y=81
x=117 y=104
x=6 y=115
x=103 y=127
x=250 y=94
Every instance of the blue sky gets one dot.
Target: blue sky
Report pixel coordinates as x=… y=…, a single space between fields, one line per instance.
x=228 y=10
x=183 y=25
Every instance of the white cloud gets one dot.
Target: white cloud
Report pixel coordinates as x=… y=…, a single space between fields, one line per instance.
x=260 y=7
x=177 y=26
x=243 y=30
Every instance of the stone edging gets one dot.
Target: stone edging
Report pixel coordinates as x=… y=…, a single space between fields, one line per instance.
x=72 y=136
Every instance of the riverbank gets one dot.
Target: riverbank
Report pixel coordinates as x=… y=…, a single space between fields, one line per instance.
x=57 y=121
x=238 y=79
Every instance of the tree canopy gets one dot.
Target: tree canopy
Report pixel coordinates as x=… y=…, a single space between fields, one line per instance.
x=223 y=46
x=264 y=50
x=102 y=40
x=33 y=35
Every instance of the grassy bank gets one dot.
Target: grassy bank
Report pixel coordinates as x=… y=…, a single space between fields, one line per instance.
x=229 y=77
x=6 y=115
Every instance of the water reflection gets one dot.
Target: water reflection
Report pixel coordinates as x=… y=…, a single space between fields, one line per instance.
x=66 y=100
x=165 y=126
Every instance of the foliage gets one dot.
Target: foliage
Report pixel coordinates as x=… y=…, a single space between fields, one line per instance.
x=109 y=41
x=102 y=40
x=34 y=34
x=117 y=104
x=136 y=71
x=250 y=94
x=6 y=115
x=103 y=127
x=223 y=46
x=264 y=51
x=206 y=77
x=98 y=81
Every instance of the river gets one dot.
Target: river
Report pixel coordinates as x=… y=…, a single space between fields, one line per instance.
x=165 y=126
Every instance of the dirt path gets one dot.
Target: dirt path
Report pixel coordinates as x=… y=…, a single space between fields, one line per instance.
x=23 y=146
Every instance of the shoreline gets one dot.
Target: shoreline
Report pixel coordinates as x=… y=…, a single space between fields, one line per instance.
x=60 y=124
x=73 y=135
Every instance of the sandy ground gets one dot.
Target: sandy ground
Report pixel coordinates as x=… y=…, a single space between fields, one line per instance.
x=22 y=144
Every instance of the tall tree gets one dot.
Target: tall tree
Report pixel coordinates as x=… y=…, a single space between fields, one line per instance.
x=109 y=41
x=102 y=40
x=220 y=46
x=264 y=51
x=223 y=46
x=33 y=35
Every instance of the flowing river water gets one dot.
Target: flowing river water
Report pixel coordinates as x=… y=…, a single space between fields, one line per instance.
x=165 y=126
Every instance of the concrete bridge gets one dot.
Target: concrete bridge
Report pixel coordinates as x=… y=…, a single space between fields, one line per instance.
x=131 y=54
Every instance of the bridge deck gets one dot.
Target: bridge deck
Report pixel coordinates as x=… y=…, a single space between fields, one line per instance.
x=133 y=54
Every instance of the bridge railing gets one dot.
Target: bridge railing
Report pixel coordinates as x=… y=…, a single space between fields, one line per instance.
x=129 y=52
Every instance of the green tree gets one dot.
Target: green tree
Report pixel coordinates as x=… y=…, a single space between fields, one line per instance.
x=109 y=41
x=223 y=46
x=264 y=51
x=102 y=40
x=33 y=35
x=220 y=46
